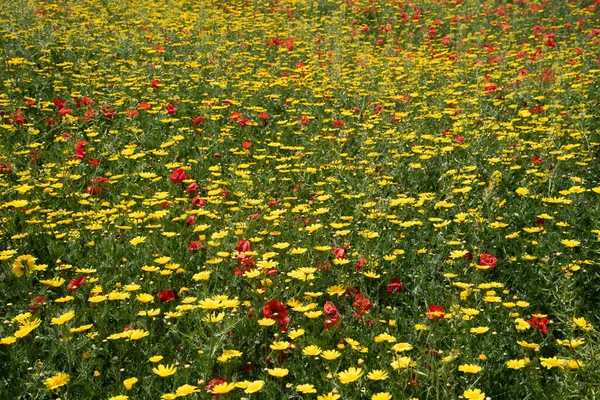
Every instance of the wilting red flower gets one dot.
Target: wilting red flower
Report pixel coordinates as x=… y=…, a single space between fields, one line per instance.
x=488 y=260
x=36 y=303
x=197 y=121
x=333 y=318
x=166 y=295
x=304 y=120
x=435 y=312
x=395 y=286
x=243 y=246
x=178 y=175
x=64 y=111
x=274 y=309
x=80 y=149
x=191 y=220
x=18 y=118
x=76 y=282
x=86 y=101
x=59 y=103
x=360 y=263
x=246 y=145
x=195 y=245
x=540 y=324
x=339 y=252
x=132 y=113
x=170 y=109
x=361 y=305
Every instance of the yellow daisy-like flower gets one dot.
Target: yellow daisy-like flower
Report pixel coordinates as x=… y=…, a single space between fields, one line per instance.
x=137 y=240
x=128 y=383
x=223 y=388
x=164 y=371
x=23 y=264
x=296 y=333
x=63 y=319
x=474 y=394
x=56 y=381
x=186 y=389
x=378 y=375
x=402 y=362
x=570 y=242
x=330 y=354
x=480 y=329
x=516 y=364
x=350 y=375
x=553 y=362
x=329 y=396
x=469 y=368
x=381 y=396
x=119 y=397
x=278 y=372
x=306 y=388
x=280 y=345
x=401 y=347
x=254 y=387
x=155 y=359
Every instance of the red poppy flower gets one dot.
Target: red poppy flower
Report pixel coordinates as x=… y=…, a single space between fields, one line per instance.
x=155 y=84
x=435 y=312
x=76 y=282
x=192 y=188
x=144 y=106
x=64 y=111
x=243 y=246
x=198 y=202
x=177 y=176
x=330 y=310
x=361 y=305
x=170 y=109
x=339 y=252
x=166 y=295
x=246 y=145
x=197 y=121
x=540 y=324
x=263 y=116
x=274 y=309
x=195 y=245
x=488 y=260
x=395 y=286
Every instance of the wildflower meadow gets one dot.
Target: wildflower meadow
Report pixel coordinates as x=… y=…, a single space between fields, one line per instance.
x=285 y=199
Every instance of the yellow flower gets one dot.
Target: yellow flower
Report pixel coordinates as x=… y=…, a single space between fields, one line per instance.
x=311 y=350
x=296 y=333
x=550 y=363
x=570 y=243
x=128 y=383
x=581 y=323
x=330 y=354
x=350 y=375
x=8 y=340
x=378 y=375
x=137 y=240
x=480 y=329
x=469 y=368
x=401 y=347
x=22 y=264
x=278 y=372
x=223 y=388
x=164 y=371
x=56 y=381
x=63 y=319
x=280 y=345
x=474 y=394
x=186 y=389
x=155 y=359
x=402 y=362
x=254 y=387
x=329 y=396
x=119 y=397
x=381 y=396
x=573 y=364
x=516 y=364
x=306 y=388
x=522 y=191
